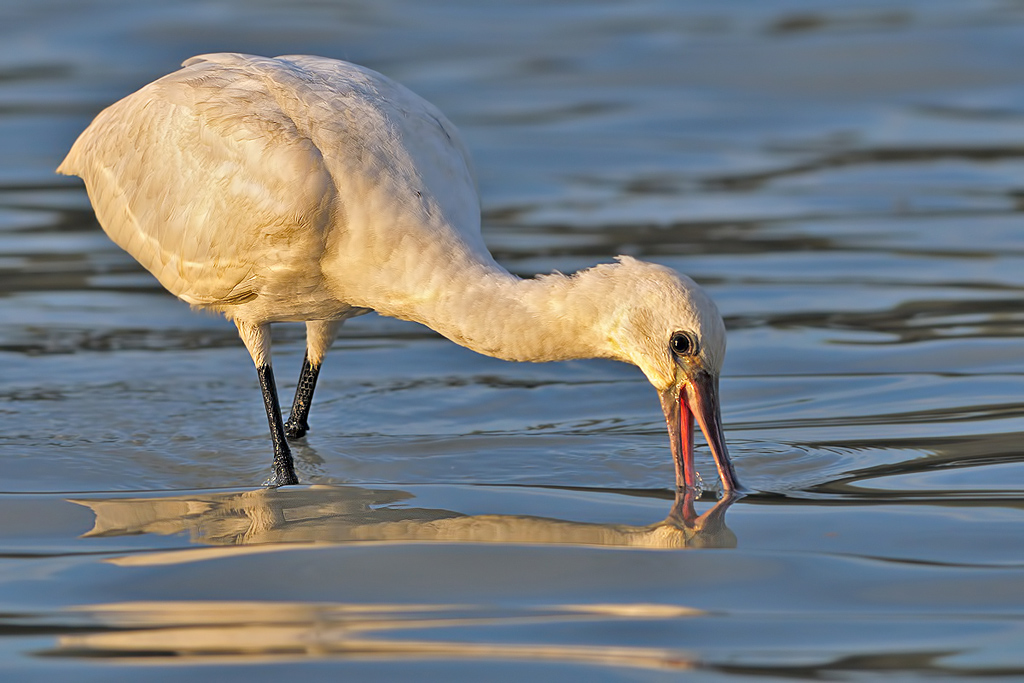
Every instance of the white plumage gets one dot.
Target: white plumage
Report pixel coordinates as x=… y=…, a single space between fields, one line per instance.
x=308 y=189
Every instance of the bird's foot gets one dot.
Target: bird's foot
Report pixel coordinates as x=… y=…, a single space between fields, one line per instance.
x=295 y=429
x=281 y=479
x=284 y=472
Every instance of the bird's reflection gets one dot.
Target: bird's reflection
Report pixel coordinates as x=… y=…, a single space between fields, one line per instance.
x=287 y=519
x=340 y=514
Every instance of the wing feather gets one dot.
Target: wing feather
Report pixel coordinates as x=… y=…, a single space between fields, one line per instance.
x=206 y=181
x=239 y=177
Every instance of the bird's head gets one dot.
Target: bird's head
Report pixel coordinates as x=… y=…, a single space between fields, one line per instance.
x=666 y=325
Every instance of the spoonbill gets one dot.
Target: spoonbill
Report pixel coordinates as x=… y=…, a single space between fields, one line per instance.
x=308 y=189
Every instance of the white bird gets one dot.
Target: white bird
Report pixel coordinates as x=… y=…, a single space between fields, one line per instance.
x=302 y=188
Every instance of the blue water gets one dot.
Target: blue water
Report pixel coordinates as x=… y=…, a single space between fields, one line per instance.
x=845 y=179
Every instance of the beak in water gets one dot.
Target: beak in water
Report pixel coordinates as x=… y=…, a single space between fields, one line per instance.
x=696 y=397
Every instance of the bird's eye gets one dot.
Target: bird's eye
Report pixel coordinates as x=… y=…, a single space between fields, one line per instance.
x=683 y=344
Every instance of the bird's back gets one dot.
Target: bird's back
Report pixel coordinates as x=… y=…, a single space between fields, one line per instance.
x=237 y=179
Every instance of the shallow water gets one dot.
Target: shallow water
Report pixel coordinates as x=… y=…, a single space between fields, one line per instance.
x=846 y=181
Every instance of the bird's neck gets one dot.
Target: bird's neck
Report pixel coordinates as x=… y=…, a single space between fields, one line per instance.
x=488 y=310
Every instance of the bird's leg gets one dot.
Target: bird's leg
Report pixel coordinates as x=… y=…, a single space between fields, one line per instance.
x=319 y=337
x=284 y=467
x=297 y=426
x=257 y=341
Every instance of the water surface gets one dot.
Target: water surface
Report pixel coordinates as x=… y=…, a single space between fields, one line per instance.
x=845 y=180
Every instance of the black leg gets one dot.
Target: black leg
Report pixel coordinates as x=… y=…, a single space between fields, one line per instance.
x=284 y=468
x=296 y=426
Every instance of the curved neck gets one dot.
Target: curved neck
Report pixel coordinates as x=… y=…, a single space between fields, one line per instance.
x=492 y=312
